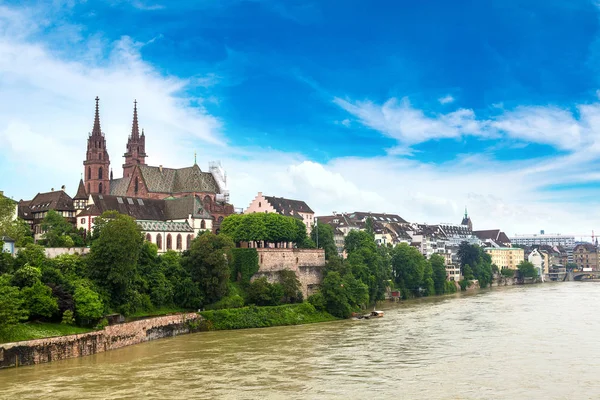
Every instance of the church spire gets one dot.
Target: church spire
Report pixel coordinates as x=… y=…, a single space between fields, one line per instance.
x=466 y=215
x=96 y=130
x=135 y=130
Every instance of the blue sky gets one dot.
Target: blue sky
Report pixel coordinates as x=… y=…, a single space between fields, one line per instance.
x=418 y=108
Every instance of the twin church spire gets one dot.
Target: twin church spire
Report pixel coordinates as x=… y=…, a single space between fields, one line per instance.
x=97 y=162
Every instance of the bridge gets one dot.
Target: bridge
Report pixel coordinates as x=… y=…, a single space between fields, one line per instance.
x=582 y=275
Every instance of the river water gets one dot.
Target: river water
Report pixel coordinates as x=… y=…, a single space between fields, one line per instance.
x=527 y=342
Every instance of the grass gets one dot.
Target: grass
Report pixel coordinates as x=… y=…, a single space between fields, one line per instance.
x=157 y=312
x=38 y=330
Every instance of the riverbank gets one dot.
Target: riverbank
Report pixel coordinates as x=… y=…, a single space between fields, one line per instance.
x=38 y=330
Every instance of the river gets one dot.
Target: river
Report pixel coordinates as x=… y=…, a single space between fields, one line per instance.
x=526 y=342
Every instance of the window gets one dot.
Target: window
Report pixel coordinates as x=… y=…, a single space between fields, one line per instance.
x=130 y=201
x=159 y=241
x=189 y=241
x=169 y=242
x=120 y=200
x=206 y=203
x=203 y=225
x=100 y=173
x=179 y=242
x=259 y=204
x=89 y=176
x=140 y=202
x=136 y=185
x=100 y=187
x=148 y=237
x=83 y=220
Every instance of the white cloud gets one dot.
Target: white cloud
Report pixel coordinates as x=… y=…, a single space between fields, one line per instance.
x=447 y=99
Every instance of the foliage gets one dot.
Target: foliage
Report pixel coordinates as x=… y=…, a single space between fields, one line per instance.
x=408 y=266
x=476 y=263
x=31 y=254
x=88 y=305
x=19 y=231
x=244 y=265
x=318 y=301
x=464 y=284
x=263 y=293
x=571 y=266
x=343 y=295
x=12 y=308
x=449 y=287
x=259 y=317
x=68 y=318
x=231 y=301
x=507 y=272
x=438 y=266
x=468 y=254
x=527 y=269
x=39 y=301
x=263 y=227
x=207 y=262
x=114 y=255
x=322 y=236
x=292 y=290
x=56 y=230
x=26 y=276
x=468 y=272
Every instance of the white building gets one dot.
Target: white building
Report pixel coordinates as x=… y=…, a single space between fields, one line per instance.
x=537 y=259
x=550 y=239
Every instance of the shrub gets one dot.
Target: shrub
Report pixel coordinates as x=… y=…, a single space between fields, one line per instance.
x=318 y=301
x=234 y=301
x=263 y=293
x=39 y=301
x=244 y=265
x=449 y=287
x=464 y=284
x=67 y=318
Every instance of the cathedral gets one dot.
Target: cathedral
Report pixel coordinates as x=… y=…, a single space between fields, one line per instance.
x=171 y=205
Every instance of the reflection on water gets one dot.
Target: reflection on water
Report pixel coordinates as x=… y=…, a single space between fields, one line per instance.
x=534 y=342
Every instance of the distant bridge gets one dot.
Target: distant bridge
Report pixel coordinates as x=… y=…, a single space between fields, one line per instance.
x=582 y=275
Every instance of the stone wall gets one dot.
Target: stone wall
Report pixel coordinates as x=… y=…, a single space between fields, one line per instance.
x=308 y=265
x=111 y=337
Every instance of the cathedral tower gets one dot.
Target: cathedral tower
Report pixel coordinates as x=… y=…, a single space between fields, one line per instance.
x=136 y=146
x=96 y=164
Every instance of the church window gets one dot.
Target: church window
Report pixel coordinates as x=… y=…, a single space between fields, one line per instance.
x=136 y=185
x=259 y=204
x=148 y=237
x=159 y=241
x=179 y=242
x=189 y=241
x=206 y=202
x=203 y=225
x=100 y=175
x=89 y=175
x=169 y=242
x=100 y=188
x=88 y=188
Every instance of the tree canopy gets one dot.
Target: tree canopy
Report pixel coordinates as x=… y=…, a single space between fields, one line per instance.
x=264 y=227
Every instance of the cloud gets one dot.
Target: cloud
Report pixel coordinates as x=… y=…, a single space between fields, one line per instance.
x=447 y=99
x=409 y=125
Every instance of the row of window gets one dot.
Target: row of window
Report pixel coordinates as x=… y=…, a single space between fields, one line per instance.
x=179 y=241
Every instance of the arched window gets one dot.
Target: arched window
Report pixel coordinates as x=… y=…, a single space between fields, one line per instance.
x=100 y=188
x=259 y=204
x=89 y=175
x=189 y=241
x=148 y=237
x=100 y=173
x=220 y=220
x=159 y=241
x=179 y=242
x=169 y=242
x=207 y=203
x=203 y=224
x=136 y=185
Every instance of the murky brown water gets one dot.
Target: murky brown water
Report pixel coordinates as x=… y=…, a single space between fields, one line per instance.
x=535 y=342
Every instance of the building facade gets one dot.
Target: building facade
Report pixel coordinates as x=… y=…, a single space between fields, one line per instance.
x=506 y=257
x=551 y=239
x=585 y=255
x=279 y=205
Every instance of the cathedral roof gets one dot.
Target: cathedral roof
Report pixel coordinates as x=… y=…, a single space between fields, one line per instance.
x=118 y=187
x=81 y=193
x=182 y=207
x=161 y=226
x=181 y=180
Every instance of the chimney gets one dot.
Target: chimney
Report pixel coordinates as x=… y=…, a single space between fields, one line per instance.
x=160 y=168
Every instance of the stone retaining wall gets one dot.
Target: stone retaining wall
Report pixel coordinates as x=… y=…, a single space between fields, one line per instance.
x=111 y=337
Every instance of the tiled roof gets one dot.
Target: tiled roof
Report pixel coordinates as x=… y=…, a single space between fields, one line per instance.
x=587 y=246
x=144 y=209
x=23 y=209
x=493 y=234
x=288 y=206
x=57 y=200
x=118 y=187
x=181 y=208
x=161 y=226
x=182 y=180
x=81 y=193
x=381 y=217
x=451 y=230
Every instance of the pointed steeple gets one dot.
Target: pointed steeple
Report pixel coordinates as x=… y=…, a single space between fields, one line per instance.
x=81 y=193
x=194 y=157
x=135 y=130
x=466 y=215
x=96 y=130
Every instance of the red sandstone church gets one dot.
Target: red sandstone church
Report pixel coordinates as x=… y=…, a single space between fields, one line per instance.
x=170 y=204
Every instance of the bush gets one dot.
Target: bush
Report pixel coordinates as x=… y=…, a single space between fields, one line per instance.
x=39 y=301
x=244 y=265
x=449 y=287
x=464 y=284
x=88 y=306
x=67 y=318
x=318 y=301
x=234 y=301
x=263 y=293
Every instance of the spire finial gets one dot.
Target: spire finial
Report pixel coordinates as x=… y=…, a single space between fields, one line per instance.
x=466 y=215
x=194 y=157
x=96 y=130
x=135 y=130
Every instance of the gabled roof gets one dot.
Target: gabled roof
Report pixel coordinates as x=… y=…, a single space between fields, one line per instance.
x=380 y=217
x=493 y=234
x=587 y=246
x=81 y=193
x=288 y=206
x=140 y=209
x=57 y=200
x=118 y=187
x=23 y=210
x=182 y=180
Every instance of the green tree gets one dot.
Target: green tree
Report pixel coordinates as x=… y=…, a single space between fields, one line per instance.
x=428 y=283
x=263 y=293
x=438 y=266
x=336 y=298
x=39 y=301
x=32 y=254
x=468 y=273
x=12 y=310
x=507 y=272
x=527 y=269
x=207 y=262
x=26 y=276
x=468 y=254
x=114 y=255
x=369 y=227
x=571 y=266
x=408 y=266
x=19 y=231
x=88 y=305
x=325 y=240
x=56 y=230
x=7 y=213
x=290 y=284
